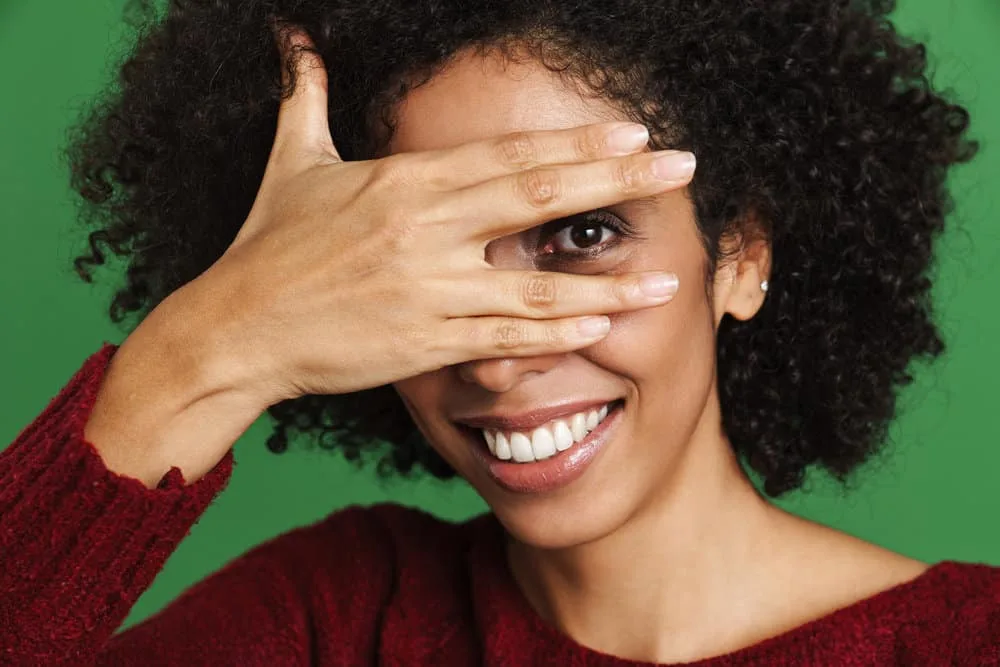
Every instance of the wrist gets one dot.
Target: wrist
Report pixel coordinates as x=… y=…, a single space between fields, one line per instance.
x=169 y=398
x=199 y=351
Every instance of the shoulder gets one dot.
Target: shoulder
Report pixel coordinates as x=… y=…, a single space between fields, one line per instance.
x=953 y=610
x=879 y=603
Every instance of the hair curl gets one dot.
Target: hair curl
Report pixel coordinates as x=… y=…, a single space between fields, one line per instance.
x=813 y=117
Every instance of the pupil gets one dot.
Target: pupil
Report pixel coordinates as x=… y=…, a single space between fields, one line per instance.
x=585 y=235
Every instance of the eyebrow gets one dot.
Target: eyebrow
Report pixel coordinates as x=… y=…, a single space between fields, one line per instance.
x=643 y=204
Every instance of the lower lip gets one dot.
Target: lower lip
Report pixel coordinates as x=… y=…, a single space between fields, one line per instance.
x=552 y=473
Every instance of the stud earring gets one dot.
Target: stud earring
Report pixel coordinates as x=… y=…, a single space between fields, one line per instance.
x=763 y=286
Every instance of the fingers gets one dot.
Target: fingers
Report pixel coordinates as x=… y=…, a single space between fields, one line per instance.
x=524 y=199
x=552 y=296
x=549 y=294
x=479 y=161
x=464 y=339
x=303 y=126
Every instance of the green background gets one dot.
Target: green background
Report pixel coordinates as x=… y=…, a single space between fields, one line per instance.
x=932 y=496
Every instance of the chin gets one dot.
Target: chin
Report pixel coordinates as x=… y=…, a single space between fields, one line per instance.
x=555 y=524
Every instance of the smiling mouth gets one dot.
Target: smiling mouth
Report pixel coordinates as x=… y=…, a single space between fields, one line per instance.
x=536 y=464
x=544 y=441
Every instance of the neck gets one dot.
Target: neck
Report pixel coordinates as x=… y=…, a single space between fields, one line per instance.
x=661 y=586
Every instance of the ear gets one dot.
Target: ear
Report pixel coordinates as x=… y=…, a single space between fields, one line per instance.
x=739 y=276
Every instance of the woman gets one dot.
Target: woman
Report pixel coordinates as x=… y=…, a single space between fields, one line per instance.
x=474 y=230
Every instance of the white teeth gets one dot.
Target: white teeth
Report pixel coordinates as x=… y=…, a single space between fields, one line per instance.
x=520 y=448
x=543 y=444
x=545 y=441
x=503 y=448
x=563 y=436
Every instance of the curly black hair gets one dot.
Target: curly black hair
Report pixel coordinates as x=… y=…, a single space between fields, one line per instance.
x=814 y=118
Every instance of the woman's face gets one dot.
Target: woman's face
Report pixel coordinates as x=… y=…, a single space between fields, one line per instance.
x=656 y=368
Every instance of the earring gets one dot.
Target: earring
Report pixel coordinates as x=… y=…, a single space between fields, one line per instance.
x=763 y=286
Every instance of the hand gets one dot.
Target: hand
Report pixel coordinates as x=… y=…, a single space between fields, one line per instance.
x=350 y=275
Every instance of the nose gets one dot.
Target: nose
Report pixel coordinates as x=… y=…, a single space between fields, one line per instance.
x=503 y=374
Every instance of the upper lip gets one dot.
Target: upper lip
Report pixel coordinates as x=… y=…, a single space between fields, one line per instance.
x=534 y=418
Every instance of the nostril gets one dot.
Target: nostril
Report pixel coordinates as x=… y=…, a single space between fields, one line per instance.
x=495 y=375
x=502 y=374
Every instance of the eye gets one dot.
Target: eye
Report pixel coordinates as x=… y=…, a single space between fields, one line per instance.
x=584 y=235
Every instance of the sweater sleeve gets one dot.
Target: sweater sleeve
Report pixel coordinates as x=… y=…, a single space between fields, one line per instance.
x=78 y=542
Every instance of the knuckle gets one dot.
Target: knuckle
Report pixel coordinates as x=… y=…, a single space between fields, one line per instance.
x=399 y=220
x=628 y=175
x=398 y=232
x=589 y=144
x=517 y=150
x=539 y=291
x=540 y=188
x=622 y=289
x=509 y=335
x=392 y=171
x=556 y=335
x=418 y=339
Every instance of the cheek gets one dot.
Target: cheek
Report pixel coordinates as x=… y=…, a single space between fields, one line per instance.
x=424 y=397
x=663 y=335
x=420 y=395
x=667 y=353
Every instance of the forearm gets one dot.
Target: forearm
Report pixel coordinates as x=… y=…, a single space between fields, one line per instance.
x=171 y=397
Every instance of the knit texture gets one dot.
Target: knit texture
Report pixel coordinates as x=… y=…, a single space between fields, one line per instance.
x=383 y=585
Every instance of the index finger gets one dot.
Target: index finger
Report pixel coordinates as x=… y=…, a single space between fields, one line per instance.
x=478 y=161
x=303 y=124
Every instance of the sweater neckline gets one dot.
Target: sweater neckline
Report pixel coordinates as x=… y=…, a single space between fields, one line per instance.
x=513 y=632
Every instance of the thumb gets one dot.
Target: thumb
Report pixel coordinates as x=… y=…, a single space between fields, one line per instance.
x=303 y=125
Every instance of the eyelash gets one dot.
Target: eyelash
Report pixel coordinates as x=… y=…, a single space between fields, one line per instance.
x=598 y=217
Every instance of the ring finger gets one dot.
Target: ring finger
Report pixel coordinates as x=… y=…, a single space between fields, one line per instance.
x=548 y=294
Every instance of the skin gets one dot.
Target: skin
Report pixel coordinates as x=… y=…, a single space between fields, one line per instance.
x=662 y=550
x=398 y=243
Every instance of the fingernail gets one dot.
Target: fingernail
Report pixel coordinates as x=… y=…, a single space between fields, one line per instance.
x=659 y=285
x=674 y=166
x=594 y=327
x=628 y=138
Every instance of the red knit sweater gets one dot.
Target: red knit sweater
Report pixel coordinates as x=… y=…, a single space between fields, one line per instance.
x=384 y=585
